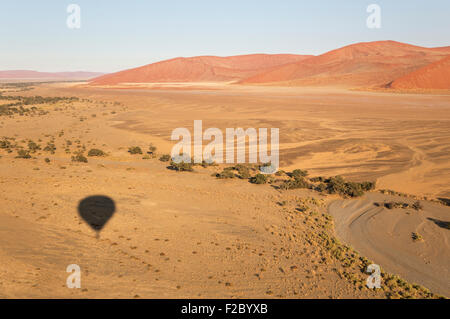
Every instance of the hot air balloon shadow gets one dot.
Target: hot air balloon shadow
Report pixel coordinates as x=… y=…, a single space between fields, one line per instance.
x=96 y=211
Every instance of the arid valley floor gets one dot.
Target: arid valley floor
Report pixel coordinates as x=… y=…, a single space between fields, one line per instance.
x=189 y=234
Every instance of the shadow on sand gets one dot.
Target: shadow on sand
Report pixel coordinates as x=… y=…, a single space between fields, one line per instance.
x=440 y=223
x=96 y=211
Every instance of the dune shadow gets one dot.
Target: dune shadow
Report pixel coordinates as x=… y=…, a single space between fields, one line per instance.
x=440 y=223
x=96 y=211
x=277 y=187
x=445 y=201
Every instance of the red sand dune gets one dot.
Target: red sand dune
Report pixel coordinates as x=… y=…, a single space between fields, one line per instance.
x=361 y=64
x=27 y=74
x=433 y=76
x=200 y=69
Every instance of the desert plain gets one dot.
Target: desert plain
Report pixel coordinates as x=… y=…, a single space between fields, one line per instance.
x=192 y=235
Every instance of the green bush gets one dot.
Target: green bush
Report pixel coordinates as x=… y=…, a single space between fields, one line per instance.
x=367 y=186
x=23 y=154
x=50 y=148
x=299 y=173
x=322 y=187
x=337 y=185
x=206 y=164
x=296 y=183
x=96 y=152
x=165 y=158
x=392 y=205
x=353 y=189
x=152 y=149
x=416 y=237
x=79 y=157
x=5 y=144
x=33 y=147
x=226 y=173
x=280 y=173
x=181 y=167
x=243 y=171
x=259 y=179
x=47 y=160
x=134 y=150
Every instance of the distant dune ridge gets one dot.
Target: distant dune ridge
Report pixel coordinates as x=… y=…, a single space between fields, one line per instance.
x=28 y=74
x=433 y=76
x=367 y=64
x=362 y=64
x=200 y=69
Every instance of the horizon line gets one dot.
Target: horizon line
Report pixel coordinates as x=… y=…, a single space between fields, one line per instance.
x=217 y=56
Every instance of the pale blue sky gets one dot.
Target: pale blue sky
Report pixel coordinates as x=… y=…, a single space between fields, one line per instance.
x=116 y=35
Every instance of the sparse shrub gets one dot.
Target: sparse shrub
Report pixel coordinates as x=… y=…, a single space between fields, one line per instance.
x=23 y=154
x=47 y=160
x=33 y=147
x=5 y=144
x=296 y=183
x=280 y=173
x=367 y=186
x=416 y=237
x=181 y=167
x=206 y=164
x=322 y=187
x=417 y=206
x=392 y=205
x=299 y=173
x=79 y=157
x=244 y=172
x=165 y=158
x=152 y=149
x=259 y=179
x=317 y=179
x=353 y=189
x=226 y=173
x=96 y=152
x=337 y=185
x=134 y=150
x=50 y=148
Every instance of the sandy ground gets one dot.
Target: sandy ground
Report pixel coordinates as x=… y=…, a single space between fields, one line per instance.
x=401 y=140
x=384 y=236
x=188 y=234
x=173 y=235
